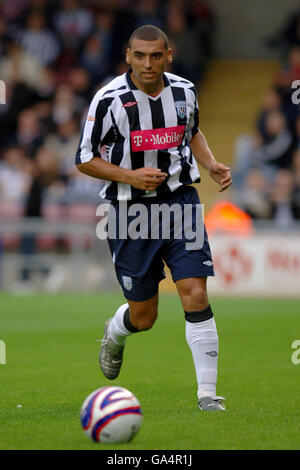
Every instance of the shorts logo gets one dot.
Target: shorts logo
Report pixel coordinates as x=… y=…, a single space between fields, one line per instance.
x=90 y=118
x=181 y=109
x=127 y=282
x=208 y=263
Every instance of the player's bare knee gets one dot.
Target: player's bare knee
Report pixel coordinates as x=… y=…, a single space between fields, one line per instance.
x=145 y=325
x=145 y=320
x=195 y=299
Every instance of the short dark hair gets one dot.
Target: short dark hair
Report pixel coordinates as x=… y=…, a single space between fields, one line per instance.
x=148 y=32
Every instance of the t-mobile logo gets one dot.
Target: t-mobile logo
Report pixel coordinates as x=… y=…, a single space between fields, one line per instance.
x=157 y=139
x=137 y=139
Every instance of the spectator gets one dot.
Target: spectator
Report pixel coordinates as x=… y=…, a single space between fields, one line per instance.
x=4 y=37
x=13 y=10
x=63 y=142
x=289 y=34
x=201 y=16
x=267 y=169
x=38 y=40
x=93 y=59
x=14 y=179
x=283 y=210
x=149 y=12
x=80 y=188
x=296 y=191
x=289 y=72
x=65 y=104
x=43 y=111
x=268 y=151
x=183 y=39
x=123 y=26
x=296 y=167
x=271 y=101
x=47 y=7
x=29 y=135
x=104 y=25
x=43 y=174
x=46 y=87
x=254 y=197
x=276 y=151
x=80 y=82
x=73 y=24
x=18 y=66
x=18 y=97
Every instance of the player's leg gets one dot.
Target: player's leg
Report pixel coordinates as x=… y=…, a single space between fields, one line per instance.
x=129 y=318
x=190 y=265
x=133 y=317
x=139 y=269
x=202 y=338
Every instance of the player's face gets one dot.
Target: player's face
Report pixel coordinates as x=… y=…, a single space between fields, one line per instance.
x=148 y=60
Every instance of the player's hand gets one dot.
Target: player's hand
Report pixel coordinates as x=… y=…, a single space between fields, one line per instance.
x=147 y=179
x=221 y=174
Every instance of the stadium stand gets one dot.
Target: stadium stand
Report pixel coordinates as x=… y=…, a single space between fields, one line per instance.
x=266 y=171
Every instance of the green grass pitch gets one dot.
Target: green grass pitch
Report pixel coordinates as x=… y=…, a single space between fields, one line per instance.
x=52 y=365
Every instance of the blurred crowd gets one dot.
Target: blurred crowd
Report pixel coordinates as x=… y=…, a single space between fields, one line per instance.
x=266 y=179
x=54 y=55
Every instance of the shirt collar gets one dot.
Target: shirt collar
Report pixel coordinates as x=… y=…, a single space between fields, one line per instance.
x=132 y=86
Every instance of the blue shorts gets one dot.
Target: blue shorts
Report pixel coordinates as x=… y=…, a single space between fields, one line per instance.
x=139 y=263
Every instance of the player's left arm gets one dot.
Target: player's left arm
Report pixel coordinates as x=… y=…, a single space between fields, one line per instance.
x=202 y=153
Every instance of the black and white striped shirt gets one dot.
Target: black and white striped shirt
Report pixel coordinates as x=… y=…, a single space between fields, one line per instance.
x=131 y=129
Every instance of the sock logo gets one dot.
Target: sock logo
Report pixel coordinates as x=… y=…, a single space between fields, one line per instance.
x=212 y=353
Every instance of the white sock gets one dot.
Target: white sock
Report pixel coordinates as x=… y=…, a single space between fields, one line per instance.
x=117 y=331
x=202 y=338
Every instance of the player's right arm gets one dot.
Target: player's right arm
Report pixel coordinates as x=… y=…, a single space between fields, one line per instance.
x=144 y=178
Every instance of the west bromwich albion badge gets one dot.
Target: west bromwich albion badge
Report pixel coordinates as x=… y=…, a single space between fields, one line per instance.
x=127 y=282
x=181 y=108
